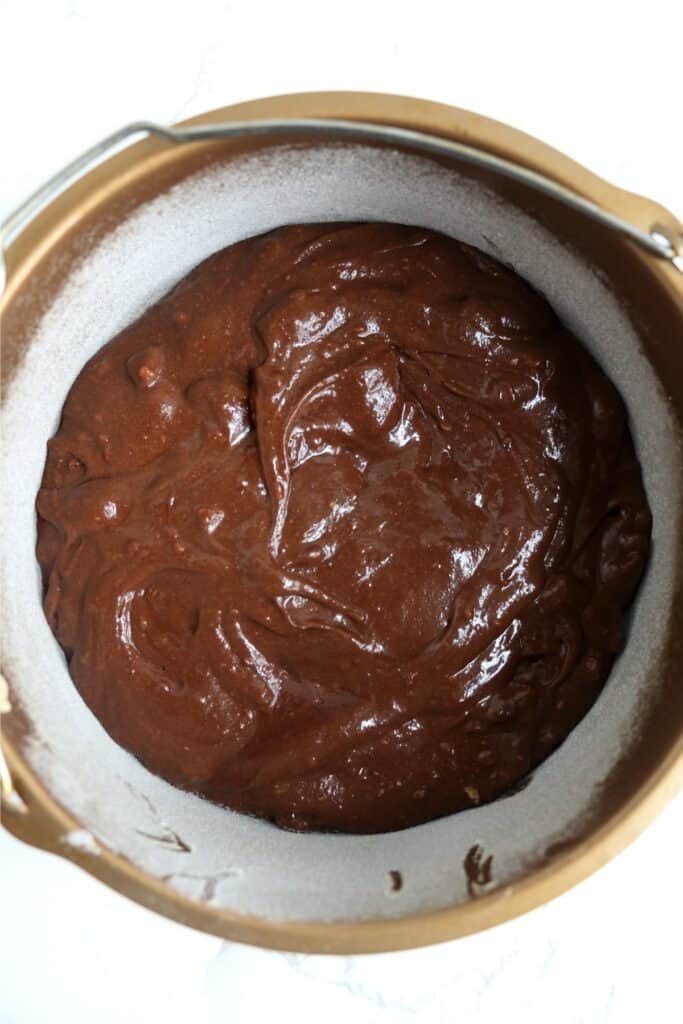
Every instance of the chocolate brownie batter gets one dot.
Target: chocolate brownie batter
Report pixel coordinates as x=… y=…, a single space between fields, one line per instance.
x=342 y=531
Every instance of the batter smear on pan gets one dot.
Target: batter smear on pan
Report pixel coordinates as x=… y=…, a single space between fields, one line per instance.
x=342 y=531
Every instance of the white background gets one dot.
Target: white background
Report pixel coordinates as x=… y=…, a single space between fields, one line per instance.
x=600 y=81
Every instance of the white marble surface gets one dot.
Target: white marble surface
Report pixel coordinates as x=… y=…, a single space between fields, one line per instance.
x=597 y=80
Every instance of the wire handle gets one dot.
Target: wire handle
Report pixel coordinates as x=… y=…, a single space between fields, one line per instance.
x=659 y=240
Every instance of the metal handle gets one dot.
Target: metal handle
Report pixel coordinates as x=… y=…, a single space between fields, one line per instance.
x=659 y=240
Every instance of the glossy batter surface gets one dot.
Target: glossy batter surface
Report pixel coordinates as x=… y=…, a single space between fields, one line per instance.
x=342 y=531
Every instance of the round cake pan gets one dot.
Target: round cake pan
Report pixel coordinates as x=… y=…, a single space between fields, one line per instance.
x=109 y=236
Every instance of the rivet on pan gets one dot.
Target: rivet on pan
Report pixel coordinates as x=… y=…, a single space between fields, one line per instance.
x=8 y=794
x=667 y=236
x=9 y=798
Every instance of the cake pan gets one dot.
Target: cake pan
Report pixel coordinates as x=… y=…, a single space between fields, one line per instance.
x=105 y=239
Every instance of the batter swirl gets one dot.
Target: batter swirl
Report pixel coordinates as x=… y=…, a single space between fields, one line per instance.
x=342 y=531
